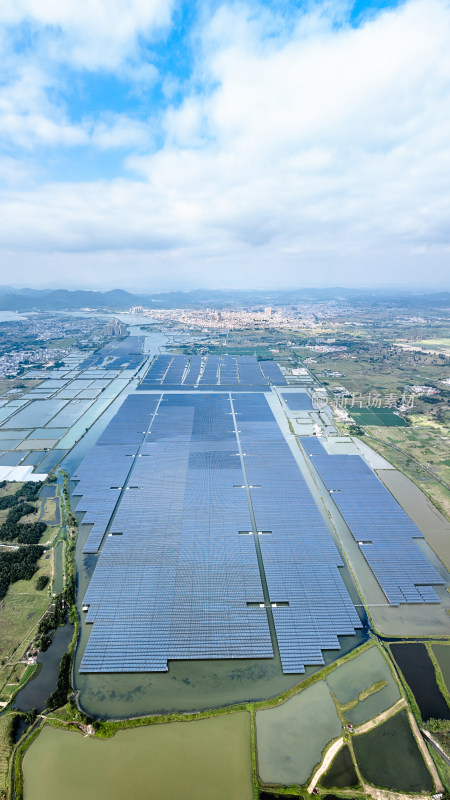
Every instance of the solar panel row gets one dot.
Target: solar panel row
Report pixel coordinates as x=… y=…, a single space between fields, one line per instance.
x=103 y=472
x=301 y=562
x=384 y=531
x=298 y=401
x=226 y=371
x=174 y=577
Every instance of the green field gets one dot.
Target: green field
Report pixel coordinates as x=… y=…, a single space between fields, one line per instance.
x=20 y=612
x=5 y=750
x=376 y=417
x=434 y=345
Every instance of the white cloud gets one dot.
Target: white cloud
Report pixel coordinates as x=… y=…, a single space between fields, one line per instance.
x=321 y=148
x=98 y=34
x=42 y=43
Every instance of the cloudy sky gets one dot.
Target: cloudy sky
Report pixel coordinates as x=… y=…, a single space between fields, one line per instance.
x=159 y=144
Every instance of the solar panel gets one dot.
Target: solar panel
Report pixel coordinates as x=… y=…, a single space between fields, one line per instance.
x=384 y=531
x=175 y=578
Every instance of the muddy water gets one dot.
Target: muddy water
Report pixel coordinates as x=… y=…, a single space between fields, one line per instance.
x=208 y=759
x=423 y=513
x=288 y=747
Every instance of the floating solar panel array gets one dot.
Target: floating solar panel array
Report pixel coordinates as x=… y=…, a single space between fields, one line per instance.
x=116 y=355
x=298 y=401
x=383 y=530
x=195 y=363
x=175 y=577
x=156 y=372
x=210 y=373
x=103 y=472
x=301 y=562
x=172 y=372
x=228 y=370
x=273 y=372
x=178 y=576
x=250 y=372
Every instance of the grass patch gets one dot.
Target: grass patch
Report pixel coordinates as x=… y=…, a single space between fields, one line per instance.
x=376 y=417
x=376 y=687
x=5 y=751
x=20 y=612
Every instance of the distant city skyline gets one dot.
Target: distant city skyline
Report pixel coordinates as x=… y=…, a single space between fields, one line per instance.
x=261 y=144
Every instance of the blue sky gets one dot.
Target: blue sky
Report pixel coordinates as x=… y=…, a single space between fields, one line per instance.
x=157 y=144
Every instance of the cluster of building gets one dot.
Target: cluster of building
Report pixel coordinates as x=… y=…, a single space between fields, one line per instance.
x=55 y=326
x=291 y=317
x=13 y=364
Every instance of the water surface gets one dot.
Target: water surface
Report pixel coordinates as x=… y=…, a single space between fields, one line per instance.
x=207 y=759
x=290 y=738
x=389 y=756
x=36 y=693
x=418 y=670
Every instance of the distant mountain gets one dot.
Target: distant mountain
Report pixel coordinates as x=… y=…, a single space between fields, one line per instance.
x=117 y=299
x=63 y=299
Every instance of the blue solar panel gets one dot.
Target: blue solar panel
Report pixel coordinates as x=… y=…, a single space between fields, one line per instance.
x=203 y=372
x=301 y=562
x=176 y=578
x=117 y=355
x=272 y=371
x=384 y=531
x=298 y=401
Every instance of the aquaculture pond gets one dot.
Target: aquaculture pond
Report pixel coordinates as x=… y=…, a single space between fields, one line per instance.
x=341 y=773
x=35 y=694
x=388 y=756
x=355 y=681
x=442 y=656
x=290 y=738
x=418 y=671
x=208 y=759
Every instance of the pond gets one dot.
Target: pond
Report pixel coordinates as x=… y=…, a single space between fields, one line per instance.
x=35 y=694
x=442 y=655
x=290 y=738
x=341 y=773
x=350 y=681
x=418 y=671
x=208 y=759
x=388 y=756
